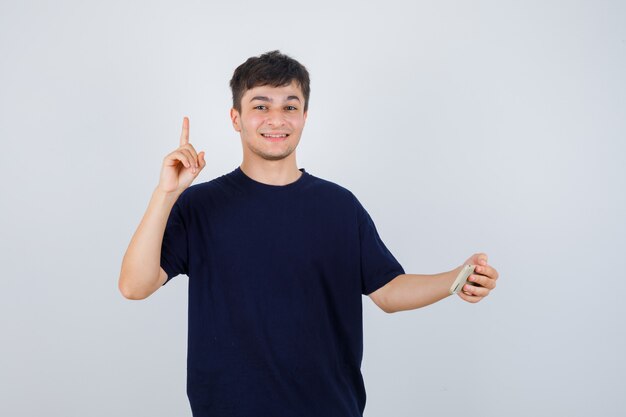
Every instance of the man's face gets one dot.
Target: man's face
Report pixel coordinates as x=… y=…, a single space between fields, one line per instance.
x=268 y=111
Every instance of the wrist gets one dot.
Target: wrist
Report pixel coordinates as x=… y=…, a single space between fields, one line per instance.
x=165 y=197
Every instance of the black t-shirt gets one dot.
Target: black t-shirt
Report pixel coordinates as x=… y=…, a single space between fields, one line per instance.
x=276 y=278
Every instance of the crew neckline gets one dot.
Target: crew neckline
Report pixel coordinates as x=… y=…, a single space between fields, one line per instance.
x=238 y=172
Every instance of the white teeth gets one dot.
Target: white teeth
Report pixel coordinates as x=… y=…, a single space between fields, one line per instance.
x=274 y=136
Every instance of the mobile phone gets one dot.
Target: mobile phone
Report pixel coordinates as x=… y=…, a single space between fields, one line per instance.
x=461 y=279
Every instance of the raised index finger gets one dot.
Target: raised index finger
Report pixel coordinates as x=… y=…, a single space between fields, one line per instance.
x=184 y=136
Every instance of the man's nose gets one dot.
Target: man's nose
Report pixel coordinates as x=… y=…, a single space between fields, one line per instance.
x=275 y=118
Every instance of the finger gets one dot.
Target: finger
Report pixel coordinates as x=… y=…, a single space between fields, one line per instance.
x=184 y=136
x=192 y=153
x=469 y=298
x=482 y=280
x=192 y=160
x=476 y=290
x=487 y=270
x=201 y=164
x=178 y=155
x=481 y=259
x=190 y=147
x=493 y=273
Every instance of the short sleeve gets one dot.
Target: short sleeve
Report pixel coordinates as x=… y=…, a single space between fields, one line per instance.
x=378 y=265
x=174 y=258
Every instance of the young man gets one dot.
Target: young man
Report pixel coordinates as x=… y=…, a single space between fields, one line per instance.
x=277 y=259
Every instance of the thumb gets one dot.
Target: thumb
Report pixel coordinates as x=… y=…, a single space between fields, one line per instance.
x=477 y=259
x=480 y=258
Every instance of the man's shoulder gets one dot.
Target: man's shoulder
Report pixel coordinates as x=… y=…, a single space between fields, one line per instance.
x=329 y=186
x=203 y=190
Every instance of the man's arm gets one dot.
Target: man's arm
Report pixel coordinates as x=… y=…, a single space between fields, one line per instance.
x=412 y=291
x=141 y=273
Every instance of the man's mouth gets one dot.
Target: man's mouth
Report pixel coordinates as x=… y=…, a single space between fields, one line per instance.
x=274 y=137
x=277 y=135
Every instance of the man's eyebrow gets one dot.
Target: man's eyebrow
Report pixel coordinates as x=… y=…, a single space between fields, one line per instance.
x=265 y=98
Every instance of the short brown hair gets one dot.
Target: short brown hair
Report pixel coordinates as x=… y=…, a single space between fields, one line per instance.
x=272 y=68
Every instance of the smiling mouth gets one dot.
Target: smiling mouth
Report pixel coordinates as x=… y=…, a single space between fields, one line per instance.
x=270 y=136
x=275 y=138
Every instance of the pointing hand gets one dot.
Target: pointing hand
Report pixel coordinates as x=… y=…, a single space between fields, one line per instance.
x=181 y=166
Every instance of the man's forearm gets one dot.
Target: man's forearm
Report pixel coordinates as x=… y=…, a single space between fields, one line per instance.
x=141 y=263
x=411 y=291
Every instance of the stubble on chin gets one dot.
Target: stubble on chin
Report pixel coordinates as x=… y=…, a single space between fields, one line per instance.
x=269 y=156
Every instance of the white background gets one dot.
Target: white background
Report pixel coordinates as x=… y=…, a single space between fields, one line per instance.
x=462 y=127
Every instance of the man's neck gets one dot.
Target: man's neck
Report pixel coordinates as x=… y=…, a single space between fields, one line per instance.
x=272 y=172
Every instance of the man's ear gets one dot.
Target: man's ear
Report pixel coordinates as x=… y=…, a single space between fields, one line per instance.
x=305 y=113
x=234 y=117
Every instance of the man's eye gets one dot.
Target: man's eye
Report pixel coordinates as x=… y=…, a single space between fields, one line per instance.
x=291 y=108
x=260 y=105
